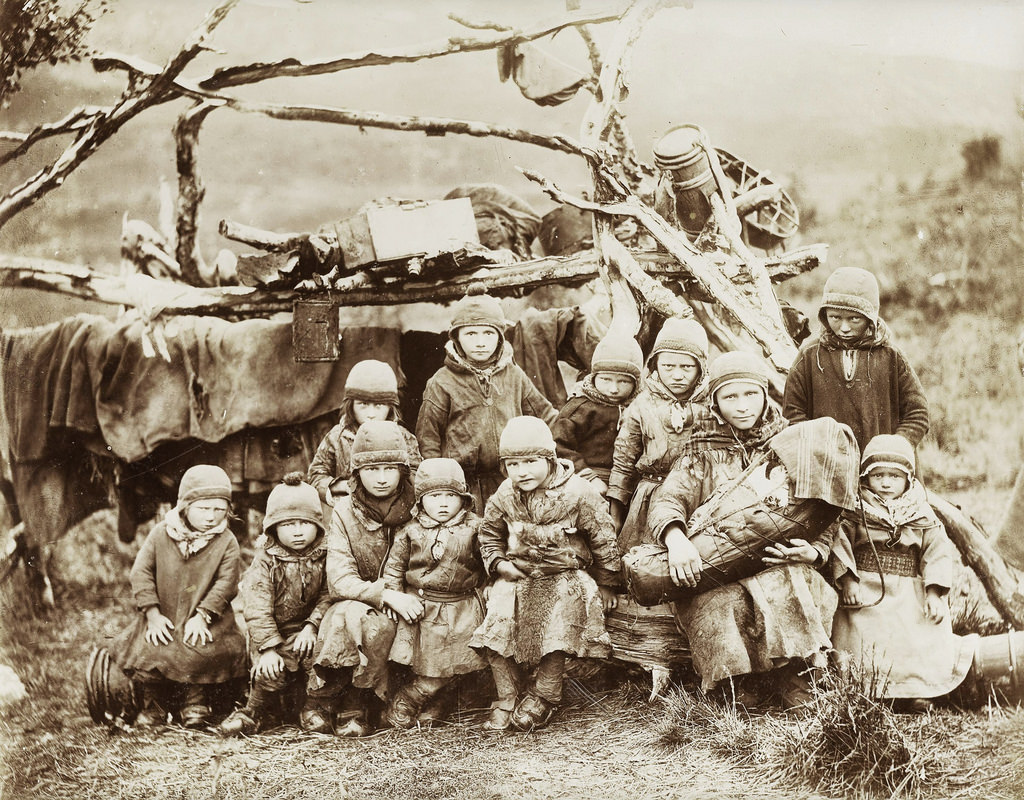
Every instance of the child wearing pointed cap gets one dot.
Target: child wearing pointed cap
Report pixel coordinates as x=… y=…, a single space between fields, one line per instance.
x=548 y=542
x=351 y=661
x=183 y=579
x=435 y=558
x=657 y=425
x=587 y=424
x=284 y=597
x=371 y=392
x=893 y=564
x=853 y=372
x=467 y=402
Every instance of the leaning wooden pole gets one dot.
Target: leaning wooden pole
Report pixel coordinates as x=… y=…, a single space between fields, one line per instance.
x=190 y=192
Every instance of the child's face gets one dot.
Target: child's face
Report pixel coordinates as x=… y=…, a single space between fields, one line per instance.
x=205 y=514
x=741 y=404
x=441 y=505
x=296 y=534
x=380 y=480
x=526 y=473
x=478 y=342
x=363 y=411
x=613 y=385
x=678 y=372
x=887 y=482
x=846 y=324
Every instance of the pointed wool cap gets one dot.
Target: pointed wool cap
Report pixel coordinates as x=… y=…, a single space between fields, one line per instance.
x=851 y=289
x=379 y=442
x=478 y=309
x=681 y=336
x=526 y=437
x=372 y=381
x=735 y=367
x=293 y=500
x=203 y=482
x=618 y=353
x=888 y=450
x=441 y=474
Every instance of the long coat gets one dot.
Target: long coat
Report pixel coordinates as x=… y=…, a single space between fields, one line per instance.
x=912 y=656
x=586 y=428
x=161 y=576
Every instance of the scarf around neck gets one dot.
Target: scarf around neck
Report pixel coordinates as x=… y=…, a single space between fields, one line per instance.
x=679 y=417
x=189 y=540
x=874 y=336
x=391 y=511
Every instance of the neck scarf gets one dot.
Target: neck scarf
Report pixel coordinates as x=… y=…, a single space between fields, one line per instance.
x=189 y=540
x=390 y=511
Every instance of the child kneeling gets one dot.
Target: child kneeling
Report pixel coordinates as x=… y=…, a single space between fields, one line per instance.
x=284 y=597
x=548 y=538
x=435 y=558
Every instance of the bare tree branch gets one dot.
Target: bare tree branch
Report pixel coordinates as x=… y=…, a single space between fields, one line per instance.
x=190 y=192
x=292 y=67
x=76 y=120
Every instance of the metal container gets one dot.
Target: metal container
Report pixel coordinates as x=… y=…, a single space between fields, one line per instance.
x=999 y=660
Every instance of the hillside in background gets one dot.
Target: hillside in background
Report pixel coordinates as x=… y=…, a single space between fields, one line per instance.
x=833 y=120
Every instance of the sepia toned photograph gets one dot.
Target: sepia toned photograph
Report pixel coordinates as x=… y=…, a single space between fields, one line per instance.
x=475 y=400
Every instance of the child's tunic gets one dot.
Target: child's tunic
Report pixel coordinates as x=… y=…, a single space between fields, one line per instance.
x=282 y=591
x=586 y=428
x=465 y=409
x=208 y=579
x=914 y=657
x=655 y=429
x=562 y=537
x=440 y=564
x=355 y=632
x=333 y=458
x=883 y=394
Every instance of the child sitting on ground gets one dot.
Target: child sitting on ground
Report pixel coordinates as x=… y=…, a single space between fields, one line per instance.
x=893 y=564
x=371 y=392
x=467 y=402
x=657 y=425
x=586 y=426
x=435 y=557
x=284 y=596
x=852 y=372
x=183 y=579
x=548 y=540
x=355 y=637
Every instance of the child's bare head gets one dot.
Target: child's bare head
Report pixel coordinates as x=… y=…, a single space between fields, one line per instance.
x=527 y=452
x=887 y=465
x=441 y=489
x=294 y=515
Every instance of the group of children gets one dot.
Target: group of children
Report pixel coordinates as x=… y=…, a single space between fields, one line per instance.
x=381 y=556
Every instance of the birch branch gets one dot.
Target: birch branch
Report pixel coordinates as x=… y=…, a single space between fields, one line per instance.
x=76 y=120
x=292 y=67
x=190 y=192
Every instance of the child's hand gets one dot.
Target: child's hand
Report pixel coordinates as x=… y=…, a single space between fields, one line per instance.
x=684 y=562
x=798 y=551
x=405 y=605
x=618 y=514
x=328 y=497
x=849 y=588
x=509 y=571
x=936 y=607
x=197 y=631
x=158 y=628
x=270 y=664
x=304 y=642
x=608 y=598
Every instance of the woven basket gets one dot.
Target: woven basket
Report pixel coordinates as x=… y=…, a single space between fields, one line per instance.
x=644 y=635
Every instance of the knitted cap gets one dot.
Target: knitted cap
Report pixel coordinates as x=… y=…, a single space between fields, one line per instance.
x=681 y=336
x=203 y=481
x=851 y=289
x=379 y=442
x=526 y=437
x=618 y=353
x=437 y=474
x=888 y=450
x=372 y=382
x=479 y=309
x=291 y=500
x=735 y=367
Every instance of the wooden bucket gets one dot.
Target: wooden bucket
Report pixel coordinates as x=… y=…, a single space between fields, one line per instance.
x=680 y=153
x=999 y=660
x=109 y=693
x=646 y=635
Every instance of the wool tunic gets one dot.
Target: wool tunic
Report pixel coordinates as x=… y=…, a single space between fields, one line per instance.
x=783 y=613
x=884 y=394
x=465 y=409
x=586 y=428
x=439 y=563
x=913 y=656
x=561 y=536
x=161 y=576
